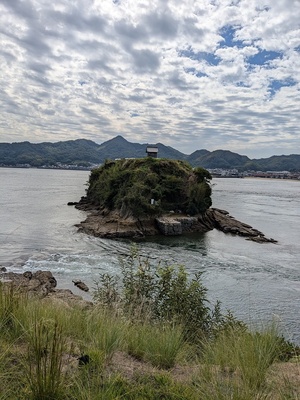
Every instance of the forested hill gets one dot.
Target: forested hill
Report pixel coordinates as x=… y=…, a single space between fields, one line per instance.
x=86 y=153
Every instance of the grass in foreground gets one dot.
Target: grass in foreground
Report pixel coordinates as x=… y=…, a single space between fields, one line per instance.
x=136 y=344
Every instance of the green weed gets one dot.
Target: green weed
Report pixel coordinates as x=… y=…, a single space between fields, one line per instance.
x=158 y=344
x=44 y=364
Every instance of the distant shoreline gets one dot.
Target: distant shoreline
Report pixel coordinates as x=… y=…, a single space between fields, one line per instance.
x=272 y=179
x=79 y=168
x=70 y=168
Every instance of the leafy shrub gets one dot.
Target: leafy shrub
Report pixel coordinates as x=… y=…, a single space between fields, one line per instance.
x=199 y=198
x=160 y=293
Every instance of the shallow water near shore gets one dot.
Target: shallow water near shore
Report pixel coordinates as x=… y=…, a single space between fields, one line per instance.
x=257 y=282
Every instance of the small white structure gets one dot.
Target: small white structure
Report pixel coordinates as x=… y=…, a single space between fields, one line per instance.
x=152 y=151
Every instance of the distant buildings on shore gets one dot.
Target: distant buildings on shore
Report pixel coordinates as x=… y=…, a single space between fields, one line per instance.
x=234 y=173
x=56 y=166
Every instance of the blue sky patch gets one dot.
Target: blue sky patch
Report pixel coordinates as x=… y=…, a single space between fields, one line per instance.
x=276 y=85
x=229 y=40
x=264 y=57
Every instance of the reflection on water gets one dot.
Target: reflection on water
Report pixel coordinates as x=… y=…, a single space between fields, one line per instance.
x=190 y=242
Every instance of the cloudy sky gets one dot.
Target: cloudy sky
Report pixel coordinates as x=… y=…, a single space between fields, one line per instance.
x=192 y=74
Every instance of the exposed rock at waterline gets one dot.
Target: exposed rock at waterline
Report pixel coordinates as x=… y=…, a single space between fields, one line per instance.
x=111 y=225
x=81 y=285
x=228 y=224
x=169 y=226
x=104 y=223
x=173 y=225
x=43 y=285
x=40 y=282
x=72 y=203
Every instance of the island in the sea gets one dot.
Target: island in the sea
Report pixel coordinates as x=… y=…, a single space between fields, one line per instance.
x=151 y=196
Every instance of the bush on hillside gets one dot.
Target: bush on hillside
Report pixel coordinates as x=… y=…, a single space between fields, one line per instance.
x=165 y=294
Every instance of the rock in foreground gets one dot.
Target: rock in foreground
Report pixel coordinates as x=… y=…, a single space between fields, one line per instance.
x=42 y=284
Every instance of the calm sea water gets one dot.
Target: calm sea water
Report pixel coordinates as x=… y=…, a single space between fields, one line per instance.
x=258 y=282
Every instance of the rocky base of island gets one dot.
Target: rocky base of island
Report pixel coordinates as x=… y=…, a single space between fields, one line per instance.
x=110 y=224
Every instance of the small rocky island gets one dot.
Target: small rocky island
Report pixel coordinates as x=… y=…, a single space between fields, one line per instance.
x=150 y=196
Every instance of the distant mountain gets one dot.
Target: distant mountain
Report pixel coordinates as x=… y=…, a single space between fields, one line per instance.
x=85 y=153
x=219 y=159
x=68 y=152
x=119 y=147
x=196 y=157
x=278 y=163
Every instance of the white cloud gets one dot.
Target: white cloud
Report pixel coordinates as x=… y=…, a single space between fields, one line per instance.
x=210 y=74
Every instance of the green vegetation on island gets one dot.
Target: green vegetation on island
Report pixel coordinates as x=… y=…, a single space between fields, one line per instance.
x=148 y=187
